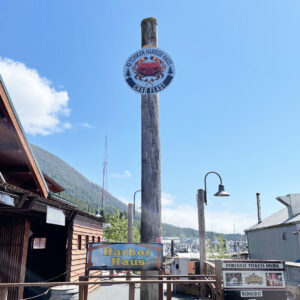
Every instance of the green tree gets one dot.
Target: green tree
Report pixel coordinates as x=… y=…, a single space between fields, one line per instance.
x=221 y=248
x=117 y=231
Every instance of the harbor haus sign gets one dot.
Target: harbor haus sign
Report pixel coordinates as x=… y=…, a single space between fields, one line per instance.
x=114 y=256
x=149 y=70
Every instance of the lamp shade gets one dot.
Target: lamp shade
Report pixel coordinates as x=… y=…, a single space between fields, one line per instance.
x=98 y=214
x=221 y=192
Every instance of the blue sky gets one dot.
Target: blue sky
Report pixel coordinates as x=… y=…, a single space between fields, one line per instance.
x=232 y=108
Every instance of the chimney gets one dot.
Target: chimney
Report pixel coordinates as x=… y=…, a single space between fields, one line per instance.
x=258 y=207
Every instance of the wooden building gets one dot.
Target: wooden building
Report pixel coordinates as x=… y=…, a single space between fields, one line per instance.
x=42 y=236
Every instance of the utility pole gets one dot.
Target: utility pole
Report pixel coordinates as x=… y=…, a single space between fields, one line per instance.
x=201 y=227
x=130 y=240
x=104 y=177
x=234 y=242
x=151 y=178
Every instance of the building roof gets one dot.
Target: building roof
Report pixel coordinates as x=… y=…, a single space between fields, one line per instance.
x=17 y=162
x=20 y=170
x=279 y=218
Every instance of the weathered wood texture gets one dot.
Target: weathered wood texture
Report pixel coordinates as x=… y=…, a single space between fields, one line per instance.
x=219 y=287
x=201 y=223
x=151 y=178
x=13 y=253
x=87 y=230
x=3 y=294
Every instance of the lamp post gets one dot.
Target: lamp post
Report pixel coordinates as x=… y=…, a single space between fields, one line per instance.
x=131 y=214
x=201 y=200
x=98 y=215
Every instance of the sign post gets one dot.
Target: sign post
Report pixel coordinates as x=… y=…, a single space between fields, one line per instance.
x=151 y=178
x=149 y=71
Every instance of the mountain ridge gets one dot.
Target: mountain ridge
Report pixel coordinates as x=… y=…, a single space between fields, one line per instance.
x=81 y=191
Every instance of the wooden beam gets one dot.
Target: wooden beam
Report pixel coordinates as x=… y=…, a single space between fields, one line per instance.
x=22 y=201
x=24 y=256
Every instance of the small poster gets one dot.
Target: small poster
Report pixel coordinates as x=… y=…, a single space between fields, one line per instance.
x=253 y=279
x=39 y=243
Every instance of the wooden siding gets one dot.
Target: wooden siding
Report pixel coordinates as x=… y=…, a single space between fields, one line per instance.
x=84 y=227
x=13 y=253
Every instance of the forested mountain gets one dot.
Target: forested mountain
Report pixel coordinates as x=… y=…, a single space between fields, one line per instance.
x=78 y=189
x=81 y=191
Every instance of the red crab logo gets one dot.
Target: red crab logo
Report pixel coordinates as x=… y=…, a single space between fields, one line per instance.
x=154 y=68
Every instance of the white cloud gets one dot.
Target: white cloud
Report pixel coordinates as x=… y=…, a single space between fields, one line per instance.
x=67 y=125
x=39 y=106
x=123 y=199
x=167 y=199
x=124 y=174
x=218 y=221
x=87 y=125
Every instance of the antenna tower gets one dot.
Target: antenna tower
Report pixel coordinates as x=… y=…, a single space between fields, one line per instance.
x=104 y=175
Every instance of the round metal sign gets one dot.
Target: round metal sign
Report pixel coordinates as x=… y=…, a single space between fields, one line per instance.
x=149 y=70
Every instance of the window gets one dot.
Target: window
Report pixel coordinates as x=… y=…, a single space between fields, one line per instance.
x=98 y=239
x=79 y=241
x=86 y=239
x=93 y=239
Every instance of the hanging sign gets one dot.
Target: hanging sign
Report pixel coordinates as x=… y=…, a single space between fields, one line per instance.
x=55 y=216
x=119 y=256
x=149 y=70
x=253 y=279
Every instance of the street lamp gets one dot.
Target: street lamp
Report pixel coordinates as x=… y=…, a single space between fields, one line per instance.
x=98 y=215
x=131 y=214
x=201 y=200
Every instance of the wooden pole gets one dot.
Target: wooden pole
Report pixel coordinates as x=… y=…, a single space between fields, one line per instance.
x=3 y=293
x=81 y=290
x=201 y=225
x=151 y=181
x=130 y=223
x=161 y=287
x=130 y=240
x=219 y=288
x=131 y=287
x=169 y=290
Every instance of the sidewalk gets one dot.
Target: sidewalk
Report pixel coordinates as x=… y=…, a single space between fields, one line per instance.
x=120 y=292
